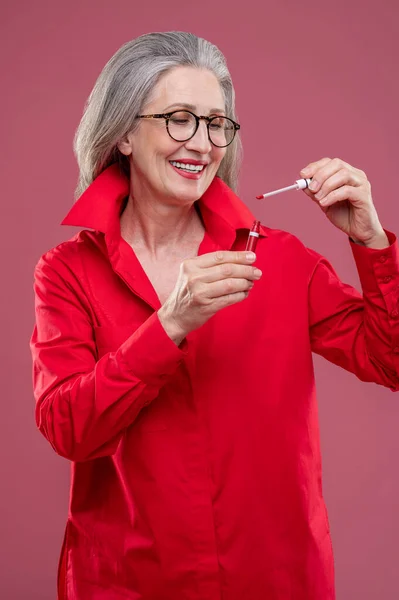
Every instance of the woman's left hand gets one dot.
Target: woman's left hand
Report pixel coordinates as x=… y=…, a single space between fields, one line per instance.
x=344 y=195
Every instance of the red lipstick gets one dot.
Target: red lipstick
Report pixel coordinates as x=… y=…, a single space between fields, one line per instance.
x=253 y=237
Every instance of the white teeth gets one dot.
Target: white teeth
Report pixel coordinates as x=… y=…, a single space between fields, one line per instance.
x=187 y=167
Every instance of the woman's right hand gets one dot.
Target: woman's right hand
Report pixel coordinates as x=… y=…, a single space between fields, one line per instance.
x=206 y=284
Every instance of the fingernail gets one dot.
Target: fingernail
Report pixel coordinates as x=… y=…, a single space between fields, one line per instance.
x=304 y=171
x=258 y=273
x=313 y=185
x=251 y=256
x=319 y=195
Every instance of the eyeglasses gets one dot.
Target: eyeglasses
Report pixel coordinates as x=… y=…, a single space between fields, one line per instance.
x=182 y=125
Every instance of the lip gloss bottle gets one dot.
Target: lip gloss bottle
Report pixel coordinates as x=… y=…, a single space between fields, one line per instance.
x=253 y=237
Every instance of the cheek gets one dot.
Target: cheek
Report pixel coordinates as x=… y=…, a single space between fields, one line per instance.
x=153 y=145
x=218 y=156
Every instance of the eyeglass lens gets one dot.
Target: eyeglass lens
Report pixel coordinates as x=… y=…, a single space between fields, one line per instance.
x=182 y=125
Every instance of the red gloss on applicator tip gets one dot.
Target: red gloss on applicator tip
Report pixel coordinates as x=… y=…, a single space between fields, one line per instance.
x=253 y=237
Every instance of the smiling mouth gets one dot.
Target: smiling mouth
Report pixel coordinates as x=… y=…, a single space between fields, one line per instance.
x=187 y=168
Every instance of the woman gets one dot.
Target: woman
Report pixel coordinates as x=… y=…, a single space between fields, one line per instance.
x=177 y=376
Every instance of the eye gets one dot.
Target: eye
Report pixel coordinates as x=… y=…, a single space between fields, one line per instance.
x=218 y=123
x=181 y=118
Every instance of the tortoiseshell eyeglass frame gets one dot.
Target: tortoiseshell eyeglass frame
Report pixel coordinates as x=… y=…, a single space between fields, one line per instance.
x=197 y=118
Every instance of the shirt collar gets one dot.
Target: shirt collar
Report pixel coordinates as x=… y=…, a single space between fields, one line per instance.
x=100 y=205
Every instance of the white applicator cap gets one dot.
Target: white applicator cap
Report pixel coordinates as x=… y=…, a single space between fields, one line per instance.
x=302 y=183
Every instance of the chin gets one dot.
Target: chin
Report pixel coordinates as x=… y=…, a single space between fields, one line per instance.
x=190 y=192
x=188 y=198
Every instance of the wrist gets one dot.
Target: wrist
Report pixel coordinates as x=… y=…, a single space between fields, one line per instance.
x=171 y=328
x=378 y=241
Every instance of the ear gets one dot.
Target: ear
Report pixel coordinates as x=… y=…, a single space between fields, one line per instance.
x=124 y=146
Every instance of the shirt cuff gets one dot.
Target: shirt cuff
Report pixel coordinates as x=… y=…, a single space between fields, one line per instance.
x=150 y=354
x=378 y=268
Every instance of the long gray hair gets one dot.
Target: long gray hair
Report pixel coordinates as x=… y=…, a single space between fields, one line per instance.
x=125 y=85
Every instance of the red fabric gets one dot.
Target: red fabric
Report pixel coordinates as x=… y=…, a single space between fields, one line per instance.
x=196 y=469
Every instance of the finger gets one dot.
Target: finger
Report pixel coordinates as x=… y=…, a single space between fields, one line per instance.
x=346 y=192
x=310 y=195
x=229 y=270
x=228 y=300
x=322 y=174
x=312 y=167
x=339 y=179
x=223 y=256
x=226 y=287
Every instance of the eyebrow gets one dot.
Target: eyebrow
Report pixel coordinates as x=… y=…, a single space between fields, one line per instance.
x=193 y=108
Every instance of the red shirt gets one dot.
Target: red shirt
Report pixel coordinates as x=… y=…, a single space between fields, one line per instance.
x=196 y=469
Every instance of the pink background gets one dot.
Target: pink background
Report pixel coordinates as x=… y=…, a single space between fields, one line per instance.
x=313 y=80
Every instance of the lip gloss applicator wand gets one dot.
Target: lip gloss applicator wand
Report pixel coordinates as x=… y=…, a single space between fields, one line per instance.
x=300 y=184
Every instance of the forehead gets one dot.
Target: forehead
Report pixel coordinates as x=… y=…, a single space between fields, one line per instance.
x=188 y=85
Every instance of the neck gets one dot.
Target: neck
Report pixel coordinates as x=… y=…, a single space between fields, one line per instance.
x=158 y=228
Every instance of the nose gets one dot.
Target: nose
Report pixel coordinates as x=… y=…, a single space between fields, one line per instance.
x=200 y=141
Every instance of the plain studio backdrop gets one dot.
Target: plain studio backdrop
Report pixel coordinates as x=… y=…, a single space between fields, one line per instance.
x=313 y=79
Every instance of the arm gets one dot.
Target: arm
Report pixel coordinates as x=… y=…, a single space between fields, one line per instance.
x=359 y=334
x=85 y=405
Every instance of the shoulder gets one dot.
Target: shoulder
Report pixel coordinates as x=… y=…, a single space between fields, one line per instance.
x=283 y=255
x=70 y=255
x=285 y=246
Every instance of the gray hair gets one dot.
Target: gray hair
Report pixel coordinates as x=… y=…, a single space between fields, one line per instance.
x=125 y=85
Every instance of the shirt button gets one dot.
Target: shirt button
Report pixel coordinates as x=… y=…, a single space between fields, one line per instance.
x=394 y=313
x=387 y=279
x=396 y=350
x=383 y=258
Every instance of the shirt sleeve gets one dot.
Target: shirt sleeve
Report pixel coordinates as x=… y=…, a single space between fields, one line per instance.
x=359 y=332
x=84 y=405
